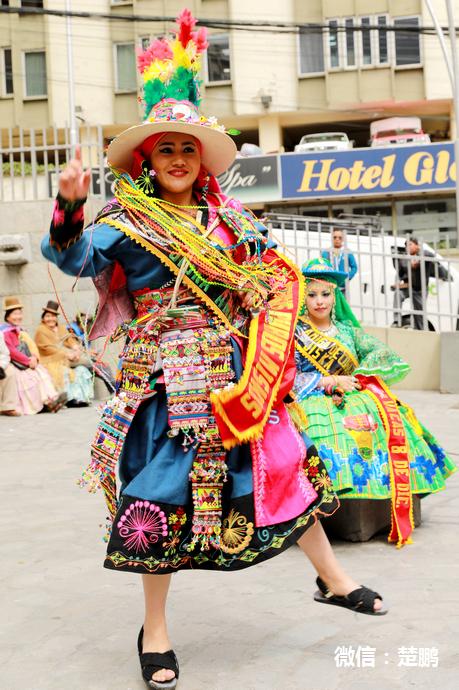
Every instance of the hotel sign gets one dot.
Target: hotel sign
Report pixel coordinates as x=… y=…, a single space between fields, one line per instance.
x=362 y=172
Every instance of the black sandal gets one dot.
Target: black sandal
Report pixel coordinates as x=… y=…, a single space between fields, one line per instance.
x=151 y=662
x=360 y=600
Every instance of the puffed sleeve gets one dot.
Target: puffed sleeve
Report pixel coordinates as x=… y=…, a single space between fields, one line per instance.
x=377 y=359
x=76 y=251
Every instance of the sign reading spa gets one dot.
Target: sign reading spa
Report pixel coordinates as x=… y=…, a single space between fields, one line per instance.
x=360 y=172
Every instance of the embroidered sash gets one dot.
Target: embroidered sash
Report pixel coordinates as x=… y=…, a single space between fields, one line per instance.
x=327 y=354
x=196 y=360
x=402 y=523
x=242 y=411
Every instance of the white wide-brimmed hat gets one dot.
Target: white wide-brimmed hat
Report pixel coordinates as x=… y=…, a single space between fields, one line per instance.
x=169 y=115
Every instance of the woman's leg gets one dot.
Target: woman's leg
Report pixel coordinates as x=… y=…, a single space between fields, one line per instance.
x=315 y=545
x=155 y=635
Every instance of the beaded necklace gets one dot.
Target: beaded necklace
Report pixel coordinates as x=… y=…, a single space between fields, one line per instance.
x=210 y=262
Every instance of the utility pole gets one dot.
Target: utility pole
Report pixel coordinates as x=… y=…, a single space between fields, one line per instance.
x=71 y=80
x=453 y=73
x=452 y=40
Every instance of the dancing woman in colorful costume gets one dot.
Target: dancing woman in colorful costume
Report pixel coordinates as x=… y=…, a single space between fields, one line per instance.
x=212 y=470
x=372 y=444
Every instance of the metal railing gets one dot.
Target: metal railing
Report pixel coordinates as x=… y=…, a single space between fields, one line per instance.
x=390 y=287
x=30 y=160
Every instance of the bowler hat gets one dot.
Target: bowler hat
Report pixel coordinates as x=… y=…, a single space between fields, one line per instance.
x=12 y=302
x=52 y=307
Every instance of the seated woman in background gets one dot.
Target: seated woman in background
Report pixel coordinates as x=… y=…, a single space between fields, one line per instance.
x=35 y=388
x=60 y=352
x=372 y=444
x=9 y=402
x=91 y=358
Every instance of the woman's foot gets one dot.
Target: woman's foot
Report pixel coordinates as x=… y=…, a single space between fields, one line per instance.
x=11 y=413
x=77 y=403
x=315 y=545
x=157 y=640
x=344 y=585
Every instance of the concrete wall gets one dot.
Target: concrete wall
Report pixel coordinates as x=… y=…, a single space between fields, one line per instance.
x=449 y=363
x=421 y=349
x=32 y=282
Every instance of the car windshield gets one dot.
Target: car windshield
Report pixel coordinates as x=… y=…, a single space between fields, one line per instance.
x=397 y=132
x=323 y=137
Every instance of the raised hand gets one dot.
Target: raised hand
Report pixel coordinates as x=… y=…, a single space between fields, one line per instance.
x=73 y=180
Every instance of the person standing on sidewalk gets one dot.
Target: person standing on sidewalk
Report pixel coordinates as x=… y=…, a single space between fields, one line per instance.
x=9 y=401
x=413 y=275
x=340 y=257
x=211 y=470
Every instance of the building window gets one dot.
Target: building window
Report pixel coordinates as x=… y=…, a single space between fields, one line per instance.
x=6 y=72
x=144 y=42
x=31 y=3
x=125 y=67
x=350 y=42
x=311 y=51
x=367 y=53
x=35 y=74
x=218 y=58
x=5 y=3
x=383 y=48
x=333 y=45
x=407 y=43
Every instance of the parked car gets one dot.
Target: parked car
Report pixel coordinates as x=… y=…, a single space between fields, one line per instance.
x=398 y=131
x=324 y=141
x=248 y=150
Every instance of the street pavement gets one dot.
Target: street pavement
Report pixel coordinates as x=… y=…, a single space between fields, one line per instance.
x=69 y=624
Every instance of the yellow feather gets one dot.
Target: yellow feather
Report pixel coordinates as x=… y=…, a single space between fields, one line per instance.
x=159 y=69
x=181 y=57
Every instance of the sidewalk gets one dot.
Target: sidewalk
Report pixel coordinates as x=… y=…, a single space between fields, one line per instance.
x=68 y=624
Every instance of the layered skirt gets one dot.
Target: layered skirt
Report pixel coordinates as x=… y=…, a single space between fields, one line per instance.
x=353 y=444
x=152 y=531
x=35 y=389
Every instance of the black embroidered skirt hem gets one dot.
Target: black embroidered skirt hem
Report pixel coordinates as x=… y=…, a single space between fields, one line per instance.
x=153 y=537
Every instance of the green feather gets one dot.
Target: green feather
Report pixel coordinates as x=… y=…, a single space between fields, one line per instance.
x=153 y=92
x=182 y=86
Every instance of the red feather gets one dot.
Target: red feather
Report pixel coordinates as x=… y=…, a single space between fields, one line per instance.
x=186 y=23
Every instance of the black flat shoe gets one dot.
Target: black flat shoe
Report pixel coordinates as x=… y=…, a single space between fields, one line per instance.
x=360 y=600
x=151 y=662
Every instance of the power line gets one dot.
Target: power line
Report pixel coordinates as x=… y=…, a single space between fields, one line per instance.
x=234 y=25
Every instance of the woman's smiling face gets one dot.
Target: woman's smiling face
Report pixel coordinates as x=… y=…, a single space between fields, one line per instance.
x=176 y=160
x=49 y=319
x=15 y=317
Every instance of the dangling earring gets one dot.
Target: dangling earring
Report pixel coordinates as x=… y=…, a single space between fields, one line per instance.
x=333 y=311
x=145 y=181
x=205 y=186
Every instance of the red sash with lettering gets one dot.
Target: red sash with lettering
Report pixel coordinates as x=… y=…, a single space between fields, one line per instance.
x=402 y=523
x=242 y=411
